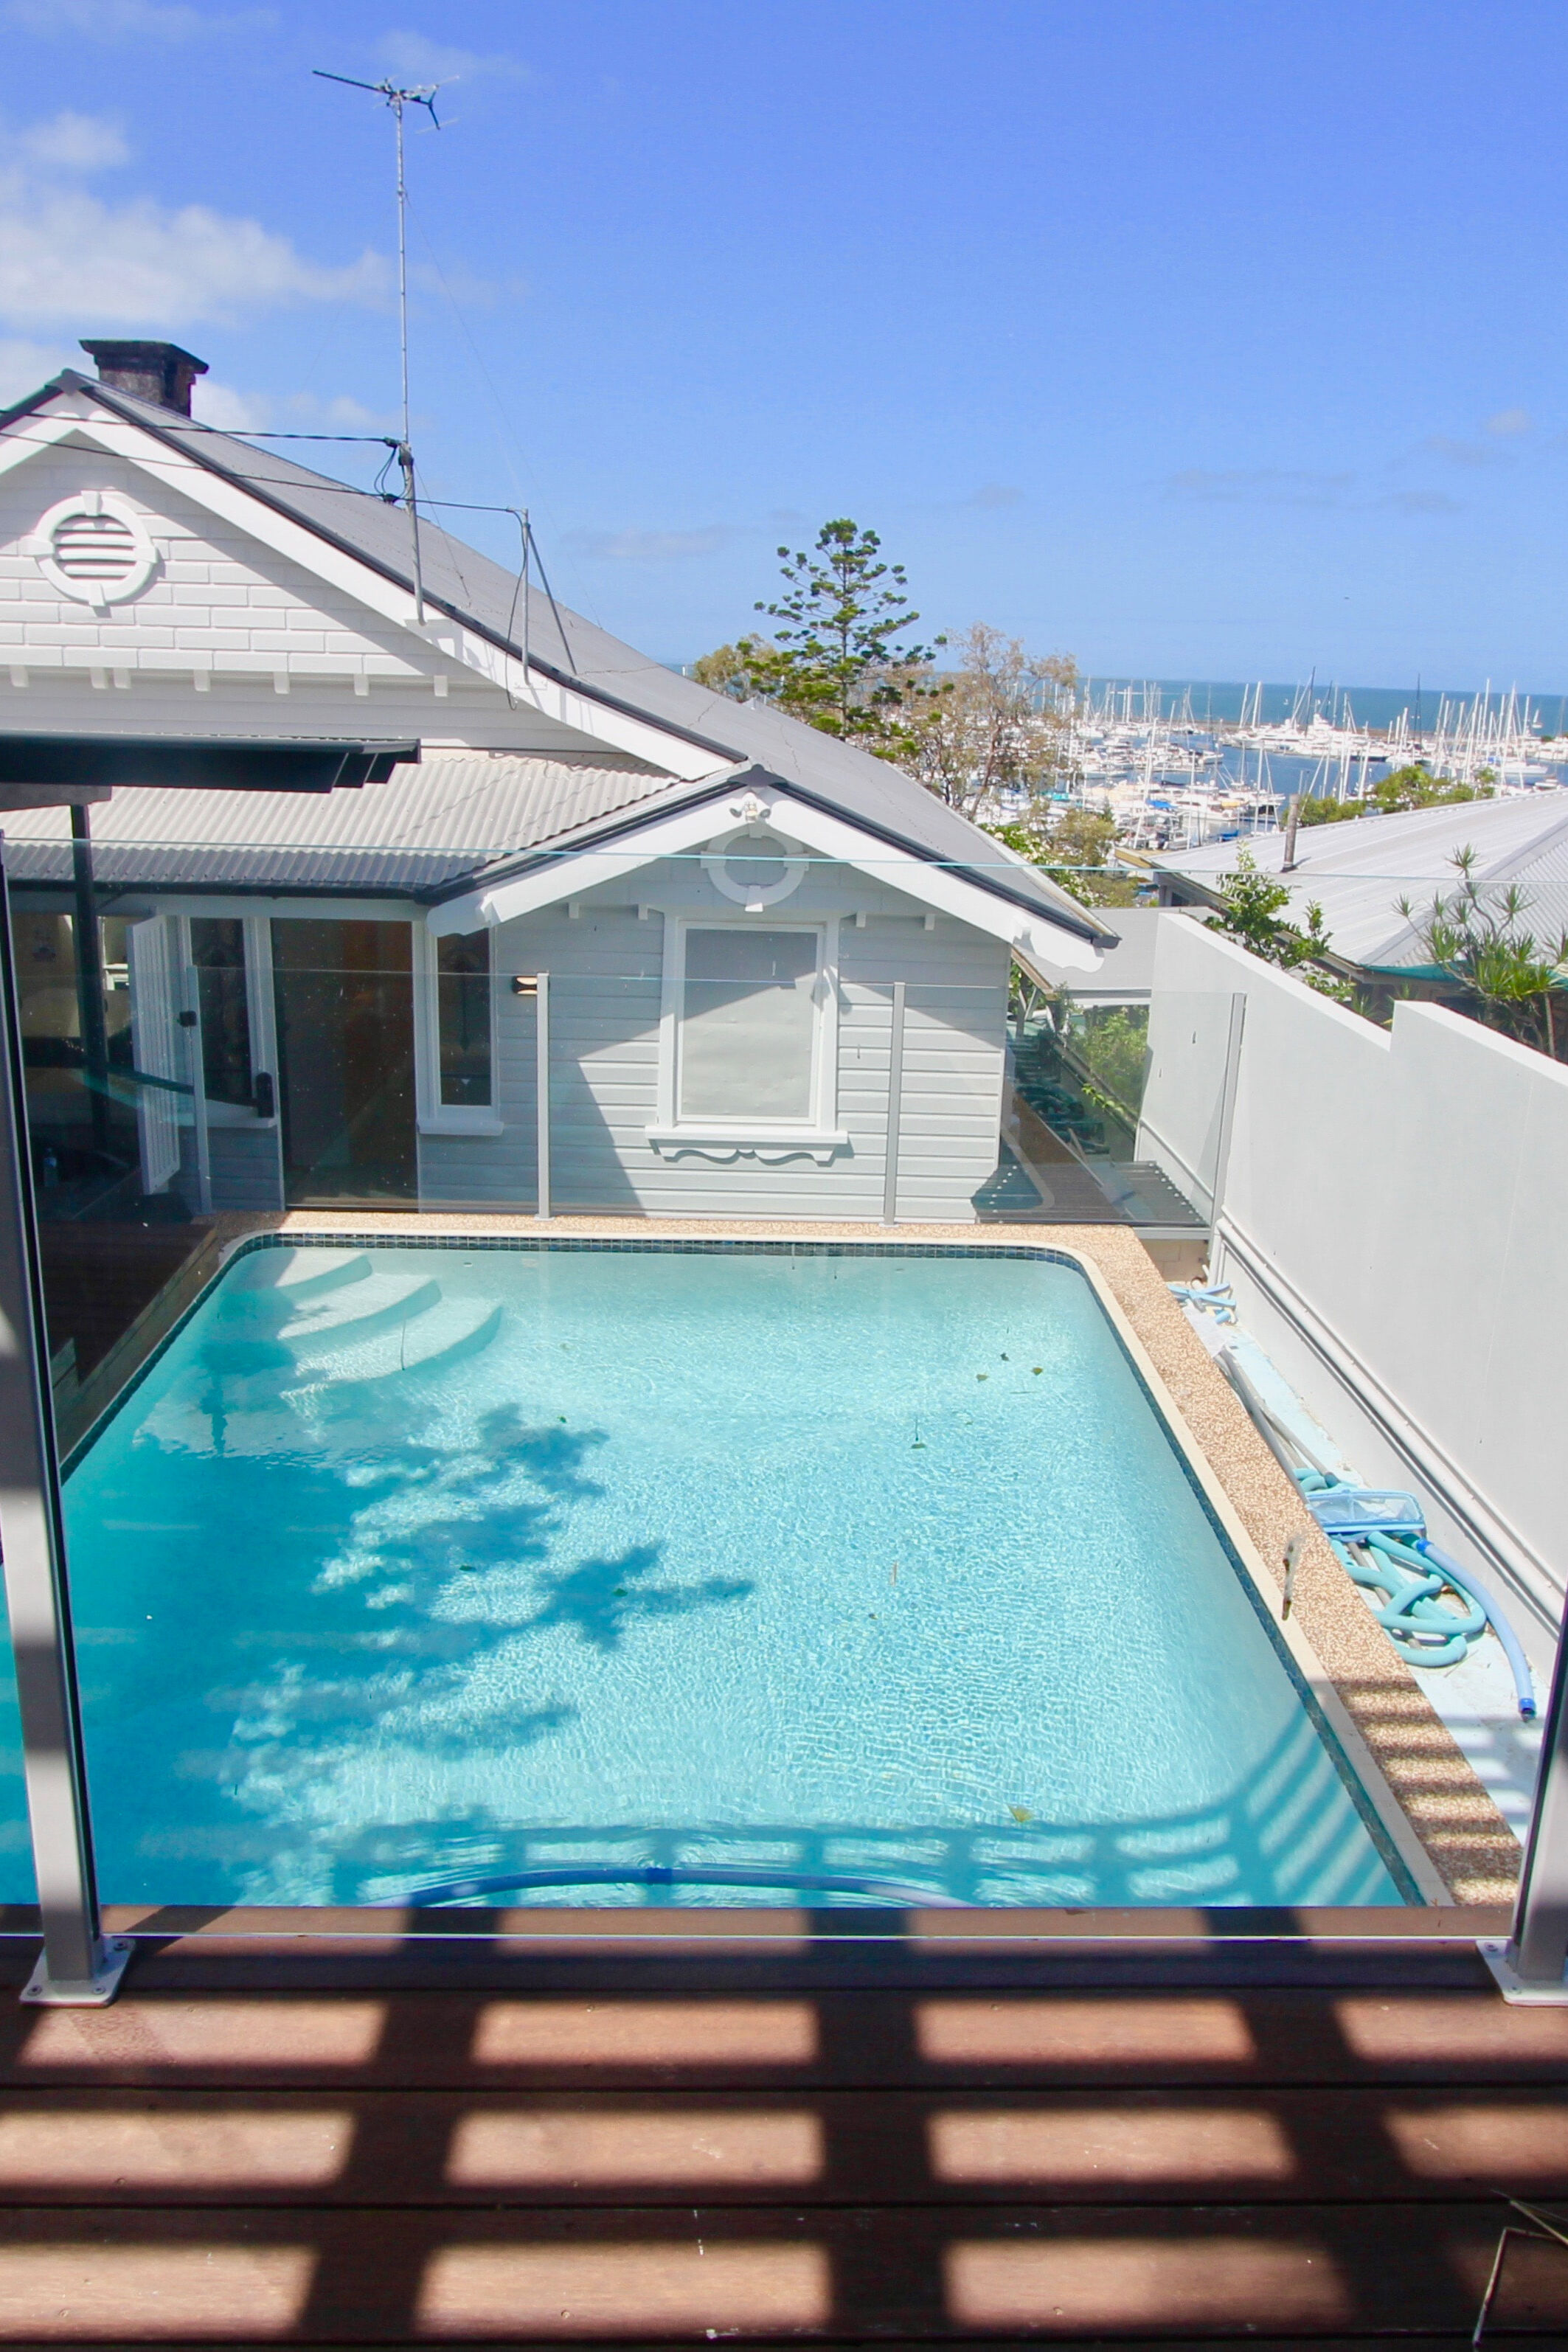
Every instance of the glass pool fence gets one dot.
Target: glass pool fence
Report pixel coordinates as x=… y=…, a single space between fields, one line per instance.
x=186 y=1075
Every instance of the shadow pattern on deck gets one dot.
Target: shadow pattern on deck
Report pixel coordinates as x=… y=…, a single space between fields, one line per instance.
x=1254 y=2163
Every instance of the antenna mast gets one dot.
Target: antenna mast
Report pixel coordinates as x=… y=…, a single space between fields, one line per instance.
x=397 y=100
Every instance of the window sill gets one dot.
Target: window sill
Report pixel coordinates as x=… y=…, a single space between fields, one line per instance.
x=475 y=1123
x=767 y=1144
x=235 y=1115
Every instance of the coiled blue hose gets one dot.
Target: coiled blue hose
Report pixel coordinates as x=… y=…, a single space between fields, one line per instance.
x=1524 y=1681
x=1413 y=1616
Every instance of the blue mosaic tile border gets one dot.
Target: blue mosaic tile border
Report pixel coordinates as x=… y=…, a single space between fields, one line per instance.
x=697 y=1245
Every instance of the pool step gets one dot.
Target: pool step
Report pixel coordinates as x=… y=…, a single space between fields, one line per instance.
x=369 y=1306
x=350 y=1311
x=285 y=1277
x=440 y=1334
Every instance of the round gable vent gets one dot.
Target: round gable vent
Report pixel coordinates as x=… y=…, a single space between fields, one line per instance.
x=94 y=548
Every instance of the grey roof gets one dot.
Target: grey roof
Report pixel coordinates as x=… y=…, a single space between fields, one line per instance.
x=1359 y=871
x=429 y=825
x=486 y=598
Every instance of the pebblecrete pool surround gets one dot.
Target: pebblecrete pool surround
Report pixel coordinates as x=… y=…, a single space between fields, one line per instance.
x=1389 y=1826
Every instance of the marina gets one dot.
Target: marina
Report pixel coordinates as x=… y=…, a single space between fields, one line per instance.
x=1176 y=770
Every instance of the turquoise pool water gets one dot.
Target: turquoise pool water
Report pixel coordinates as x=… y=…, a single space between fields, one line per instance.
x=410 y=1563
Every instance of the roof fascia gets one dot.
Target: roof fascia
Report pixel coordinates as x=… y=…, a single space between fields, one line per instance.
x=572 y=872
x=1083 y=922
x=46 y=433
x=185 y=472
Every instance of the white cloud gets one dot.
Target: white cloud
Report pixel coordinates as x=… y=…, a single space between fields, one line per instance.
x=65 y=255
x=1465 y=453
x=996 y=494
x=25 y=366
x=1510 y=421
x=219 y=405
x=414 y=59
x=75 y=142
x=1264 y=485
x=1420 y=502
x=649 y=546
x=225 y=406
x=128 y=20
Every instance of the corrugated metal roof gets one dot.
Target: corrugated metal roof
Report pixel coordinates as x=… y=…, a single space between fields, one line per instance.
x=428 y=825
x=486 y=597
x=1359 y=871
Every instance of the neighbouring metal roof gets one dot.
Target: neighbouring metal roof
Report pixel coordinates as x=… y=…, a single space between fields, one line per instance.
x=484 y=597
x=428 y=825
x=1359 y=871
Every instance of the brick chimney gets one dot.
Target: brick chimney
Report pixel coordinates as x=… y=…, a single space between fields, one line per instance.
x=160 y=373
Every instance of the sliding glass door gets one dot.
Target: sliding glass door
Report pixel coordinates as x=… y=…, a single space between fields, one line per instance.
x=344 y=996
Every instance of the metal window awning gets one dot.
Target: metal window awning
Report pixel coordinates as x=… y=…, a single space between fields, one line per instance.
x=39 y=770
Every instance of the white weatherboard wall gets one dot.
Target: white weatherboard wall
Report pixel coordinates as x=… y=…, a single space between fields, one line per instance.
x=606 y=967
x=1393 y=1213
x=228 y=640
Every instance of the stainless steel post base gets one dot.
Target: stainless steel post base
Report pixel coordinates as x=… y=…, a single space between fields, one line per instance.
x=95 y=1991
x=1514 y=1988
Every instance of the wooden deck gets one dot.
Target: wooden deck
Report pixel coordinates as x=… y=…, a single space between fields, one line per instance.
x=573 y=2152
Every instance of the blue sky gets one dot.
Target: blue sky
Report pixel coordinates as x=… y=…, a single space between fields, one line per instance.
x=1193 y=338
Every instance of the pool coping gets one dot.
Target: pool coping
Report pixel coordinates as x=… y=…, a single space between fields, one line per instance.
x=1427 y=1799
x=1285 y=1629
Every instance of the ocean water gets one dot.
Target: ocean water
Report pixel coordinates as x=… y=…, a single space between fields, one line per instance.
x=496 y=1559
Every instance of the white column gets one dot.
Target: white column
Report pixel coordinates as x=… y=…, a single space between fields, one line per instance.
x=895 y=1104
x=542 y=1090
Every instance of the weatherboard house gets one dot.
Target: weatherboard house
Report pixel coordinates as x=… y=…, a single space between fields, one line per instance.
x=561 y=930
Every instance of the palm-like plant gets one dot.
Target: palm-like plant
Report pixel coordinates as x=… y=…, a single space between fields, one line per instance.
x=1474 y=935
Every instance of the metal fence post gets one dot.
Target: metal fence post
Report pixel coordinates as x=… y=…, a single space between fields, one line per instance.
x=895 y=1106
x=76 y=1966
x=541 y=1091
x=1229 y=1085
x=1530 y=1966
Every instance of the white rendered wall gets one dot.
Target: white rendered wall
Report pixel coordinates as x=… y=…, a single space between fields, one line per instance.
x=1128 y=969
x=1394 y=1214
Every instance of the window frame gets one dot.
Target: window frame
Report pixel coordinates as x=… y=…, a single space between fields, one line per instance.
x=433 y=1116
x=818 y=1132
x=256 y=934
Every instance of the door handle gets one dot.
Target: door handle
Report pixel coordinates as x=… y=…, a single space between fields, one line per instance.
x=263 y=1095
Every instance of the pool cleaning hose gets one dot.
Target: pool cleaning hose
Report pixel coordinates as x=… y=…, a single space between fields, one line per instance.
x=664 y=1873
x=1381 y=1538
x=1361 y=1520
x=1524 y=1681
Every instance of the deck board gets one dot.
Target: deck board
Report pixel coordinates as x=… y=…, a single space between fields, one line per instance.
x=1266 y=2165
x=856 y=2041
x=346 y=2278
x=445 y=2149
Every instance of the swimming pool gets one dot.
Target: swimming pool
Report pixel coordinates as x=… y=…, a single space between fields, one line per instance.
x=409 y=1562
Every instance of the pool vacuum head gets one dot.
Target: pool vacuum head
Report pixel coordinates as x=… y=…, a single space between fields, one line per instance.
x=1352 y=1511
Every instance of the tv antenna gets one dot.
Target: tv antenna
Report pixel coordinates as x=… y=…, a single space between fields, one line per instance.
x=398 y=99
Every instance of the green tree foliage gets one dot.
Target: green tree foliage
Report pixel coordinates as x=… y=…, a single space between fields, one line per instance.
x=837 y=655
x=1254 y=914
x=1074 y=847
x=1114 y=1046
x=1516 y=982
x=1411 y=787
x=727 y=670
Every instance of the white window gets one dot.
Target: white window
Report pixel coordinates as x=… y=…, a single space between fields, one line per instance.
x=749 y=1037
x=456 y=1033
